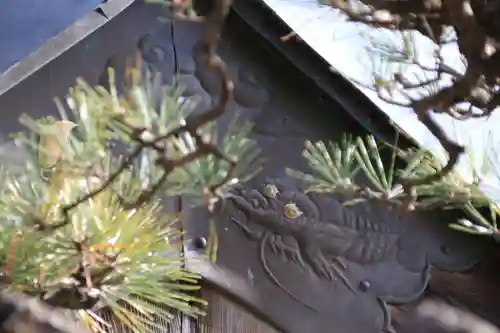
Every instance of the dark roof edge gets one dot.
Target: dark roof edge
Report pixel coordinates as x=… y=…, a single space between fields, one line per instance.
x=61 y=43
x=271 y=27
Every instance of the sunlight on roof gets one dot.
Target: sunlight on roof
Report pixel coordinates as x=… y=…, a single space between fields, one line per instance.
x=345 y=46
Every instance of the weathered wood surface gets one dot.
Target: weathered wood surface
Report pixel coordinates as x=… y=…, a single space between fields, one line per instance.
x=23 y=314
x=273 y=95
x=225 y=315
x=27 y=25
x=438 y=317
x=429 y=316
x=87 y=59
x=337 y=266
x=473 y=290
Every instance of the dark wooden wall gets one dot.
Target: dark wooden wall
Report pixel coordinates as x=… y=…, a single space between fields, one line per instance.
x=226 y=315
x=476 y=289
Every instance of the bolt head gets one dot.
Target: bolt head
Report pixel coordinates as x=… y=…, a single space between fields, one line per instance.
x=364 y=285
x=200 y=243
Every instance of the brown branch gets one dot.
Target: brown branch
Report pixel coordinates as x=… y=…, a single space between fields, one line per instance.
x=209 y=57
x=20 y=313
x=86 y=276
x=472 y=23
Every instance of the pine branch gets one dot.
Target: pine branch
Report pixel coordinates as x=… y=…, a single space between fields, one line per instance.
x=478 y=41
x=334 y=168
x=83 y=229
x=145 y=140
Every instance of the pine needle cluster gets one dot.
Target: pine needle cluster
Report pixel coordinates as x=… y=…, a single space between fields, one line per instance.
x=67 y=235
x=358 y=169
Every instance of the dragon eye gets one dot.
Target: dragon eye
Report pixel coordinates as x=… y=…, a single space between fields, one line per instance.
x=292 y=211
x=270 y=191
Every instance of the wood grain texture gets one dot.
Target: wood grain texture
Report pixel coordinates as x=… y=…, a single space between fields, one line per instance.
x=439 y=317
x=225 y=316
x=474 y=290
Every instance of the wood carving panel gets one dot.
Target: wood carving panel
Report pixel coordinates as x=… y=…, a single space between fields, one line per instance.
x=305 y=262
x=355 y=253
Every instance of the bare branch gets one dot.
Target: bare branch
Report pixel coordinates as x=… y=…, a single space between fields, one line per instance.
x=478 y=40
x=208 y=56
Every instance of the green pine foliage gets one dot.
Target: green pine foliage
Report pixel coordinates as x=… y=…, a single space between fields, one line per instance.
x=66 y=235
x=354 y=168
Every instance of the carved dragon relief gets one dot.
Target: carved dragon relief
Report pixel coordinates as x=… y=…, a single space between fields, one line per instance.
x=361 y=255
x=346 y=248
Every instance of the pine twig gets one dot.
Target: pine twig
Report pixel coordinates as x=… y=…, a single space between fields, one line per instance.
x=209 y=57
